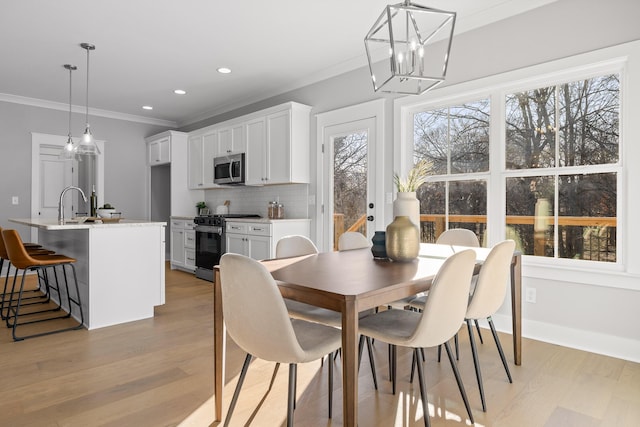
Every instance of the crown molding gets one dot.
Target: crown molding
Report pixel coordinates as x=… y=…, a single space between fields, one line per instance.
x=34 y=102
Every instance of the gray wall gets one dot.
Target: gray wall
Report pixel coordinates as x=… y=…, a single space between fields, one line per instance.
x=600 y=319
x=124 y=157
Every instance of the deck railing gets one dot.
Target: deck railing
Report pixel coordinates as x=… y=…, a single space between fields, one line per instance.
x=598 y=233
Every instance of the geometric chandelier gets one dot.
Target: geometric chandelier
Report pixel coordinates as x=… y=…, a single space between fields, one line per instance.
x=408 y=48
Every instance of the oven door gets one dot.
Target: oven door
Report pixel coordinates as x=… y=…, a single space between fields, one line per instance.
x=209 y=249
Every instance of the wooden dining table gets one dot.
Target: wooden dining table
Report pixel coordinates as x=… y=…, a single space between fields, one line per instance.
x=349 y=282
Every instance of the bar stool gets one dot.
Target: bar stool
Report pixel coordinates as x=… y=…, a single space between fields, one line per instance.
x=22 y=260
x=39 y=295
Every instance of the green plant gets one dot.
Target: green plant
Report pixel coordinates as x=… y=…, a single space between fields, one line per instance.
x=416 y=177
x=201 y=205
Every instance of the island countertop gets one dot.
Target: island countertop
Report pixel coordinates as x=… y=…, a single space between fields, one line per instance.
x=53 y=224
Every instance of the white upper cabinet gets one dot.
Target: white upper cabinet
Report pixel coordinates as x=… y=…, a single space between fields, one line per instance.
x=256 y=152
x=231 y=140
x=159 y=151
x=195 y=162
x=275 y=140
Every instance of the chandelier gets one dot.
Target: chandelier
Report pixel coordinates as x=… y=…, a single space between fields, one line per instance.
x=408 y=48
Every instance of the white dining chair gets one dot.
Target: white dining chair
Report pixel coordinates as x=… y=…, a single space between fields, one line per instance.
x=487 y=297
x=455 y=237
x=350 y=240
x=257 y=320
x=437 y=324
x=296 y=245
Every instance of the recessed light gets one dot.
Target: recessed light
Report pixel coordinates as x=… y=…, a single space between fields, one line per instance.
x=224 y=70
x=180 y=92
x=147 y=107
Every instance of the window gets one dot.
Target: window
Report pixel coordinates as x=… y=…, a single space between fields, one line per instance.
x=456 y=142
x=563 y=141
x=560 y=172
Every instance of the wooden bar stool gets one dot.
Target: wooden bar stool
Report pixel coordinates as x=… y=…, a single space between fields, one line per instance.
x=39 y=295
x=22 y=260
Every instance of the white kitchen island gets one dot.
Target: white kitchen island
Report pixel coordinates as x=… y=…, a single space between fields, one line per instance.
x=120 y=267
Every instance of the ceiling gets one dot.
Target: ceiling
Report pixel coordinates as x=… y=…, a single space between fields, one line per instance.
x=147 y=48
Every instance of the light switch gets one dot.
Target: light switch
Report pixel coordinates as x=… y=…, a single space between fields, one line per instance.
x=14 y=200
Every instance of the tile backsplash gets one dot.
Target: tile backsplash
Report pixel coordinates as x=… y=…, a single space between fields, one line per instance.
x=251 y=200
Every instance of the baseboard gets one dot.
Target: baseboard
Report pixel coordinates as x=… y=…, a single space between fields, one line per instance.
x=608 y=345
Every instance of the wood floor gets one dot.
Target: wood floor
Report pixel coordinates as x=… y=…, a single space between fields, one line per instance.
x=158 y=372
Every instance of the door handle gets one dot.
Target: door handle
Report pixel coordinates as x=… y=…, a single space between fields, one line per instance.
x=370 y=218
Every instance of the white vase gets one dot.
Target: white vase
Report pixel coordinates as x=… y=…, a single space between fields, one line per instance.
x=407 y=204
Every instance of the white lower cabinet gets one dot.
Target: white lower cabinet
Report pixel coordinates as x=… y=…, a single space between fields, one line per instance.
x=183 y=244
x=258 y=240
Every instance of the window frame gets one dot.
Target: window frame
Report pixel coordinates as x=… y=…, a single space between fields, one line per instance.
x=613 y=60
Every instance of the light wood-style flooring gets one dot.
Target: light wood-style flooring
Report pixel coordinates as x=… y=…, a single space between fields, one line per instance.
x=158 y=372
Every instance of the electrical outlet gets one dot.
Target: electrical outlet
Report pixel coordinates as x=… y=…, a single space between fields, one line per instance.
x=530 y=295
x=15 y=200
x=388 y=198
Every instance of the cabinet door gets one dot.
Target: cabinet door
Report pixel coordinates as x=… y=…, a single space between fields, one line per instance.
x=177 y=247
x=225 y=142
x=238 y=140
x=236 y=244
x=209 y=151
x=160 y=151
x=256 y=152
x=195 y=162
x=259 y=247
x=278 y=143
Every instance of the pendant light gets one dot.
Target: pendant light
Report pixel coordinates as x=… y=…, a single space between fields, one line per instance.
x=87 y=143
x=408 y=48
x=69 y=150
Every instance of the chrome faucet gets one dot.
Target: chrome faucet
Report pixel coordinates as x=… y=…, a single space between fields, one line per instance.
x=61 y=208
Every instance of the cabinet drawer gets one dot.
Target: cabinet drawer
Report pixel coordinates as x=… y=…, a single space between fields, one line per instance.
x=236 y=227
x=177 y=223
x=259 y=229
x=189 y=239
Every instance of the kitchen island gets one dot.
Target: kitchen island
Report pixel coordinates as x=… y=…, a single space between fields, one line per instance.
x=120 y=266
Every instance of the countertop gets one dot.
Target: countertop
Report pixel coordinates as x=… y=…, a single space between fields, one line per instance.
x=52 y=224
x=266 y=220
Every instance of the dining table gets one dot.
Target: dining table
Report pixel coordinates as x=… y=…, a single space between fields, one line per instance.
x=350 y=282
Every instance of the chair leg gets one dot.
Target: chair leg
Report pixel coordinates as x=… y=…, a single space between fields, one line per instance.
x=476 y=364
x=293 y=370
x=455 y=341
x=394 y=358
x=479 y=333
x=330 y=387
x=236 y=393
x=456 y=373
x=372 y=362
x=413 y=367
x=423 y=389
x=497 y=340
x=439 y=352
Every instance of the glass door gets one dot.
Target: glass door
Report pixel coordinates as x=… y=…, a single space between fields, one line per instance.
x=349 y=202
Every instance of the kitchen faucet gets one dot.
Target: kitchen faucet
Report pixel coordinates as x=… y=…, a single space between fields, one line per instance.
x=61 y=208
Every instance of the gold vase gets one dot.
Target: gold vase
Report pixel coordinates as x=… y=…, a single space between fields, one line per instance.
x=403 y=240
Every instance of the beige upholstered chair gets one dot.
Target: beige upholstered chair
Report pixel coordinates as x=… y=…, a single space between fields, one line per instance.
x=437 y=324
x=352 y=240
x=257 y=320
x=487 y=297
x=458 y=237
x=290 y=246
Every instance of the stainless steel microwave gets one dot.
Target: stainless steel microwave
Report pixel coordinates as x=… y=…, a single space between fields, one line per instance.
x=229 y=170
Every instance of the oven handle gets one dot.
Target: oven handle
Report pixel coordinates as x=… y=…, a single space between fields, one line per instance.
x=208 y=229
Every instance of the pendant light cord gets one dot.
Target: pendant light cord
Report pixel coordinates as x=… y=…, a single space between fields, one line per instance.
x=87 y=117
x=70 y=98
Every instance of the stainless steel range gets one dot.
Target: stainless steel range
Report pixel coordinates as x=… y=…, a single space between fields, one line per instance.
x=211 y=242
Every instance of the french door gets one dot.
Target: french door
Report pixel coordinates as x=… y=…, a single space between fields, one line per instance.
x=351 y=196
